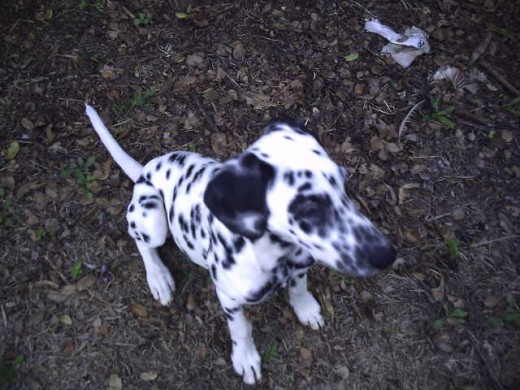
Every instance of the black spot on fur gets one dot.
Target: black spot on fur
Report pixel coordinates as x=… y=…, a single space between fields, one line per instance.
x=158 y=167
x=189 y=171
x=183 y=224
x=305 y=187
x=132 y=225
x=131 y=208
x=276 y=240
x=288 y=137
x=214 y=271
x=146 y=237
x=148 y=176
x=264 y=155
x=289 y=177
x=180 y=160
x=171 y=214
x=168 y=174
x=238 y=244
x=140 y=180
x=319 y=153
x=161 y=193
x=150 y=205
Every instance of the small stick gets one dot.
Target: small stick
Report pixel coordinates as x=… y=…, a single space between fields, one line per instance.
x=507 y=85
x=206 y=114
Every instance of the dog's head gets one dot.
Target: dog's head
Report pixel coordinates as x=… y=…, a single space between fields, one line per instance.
x=286 y=184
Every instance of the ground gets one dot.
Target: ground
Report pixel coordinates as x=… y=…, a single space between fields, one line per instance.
x=435 y=164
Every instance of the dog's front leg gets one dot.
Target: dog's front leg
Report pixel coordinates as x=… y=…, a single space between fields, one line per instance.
x=159 y=278
x=244 y=355
x=305 y=306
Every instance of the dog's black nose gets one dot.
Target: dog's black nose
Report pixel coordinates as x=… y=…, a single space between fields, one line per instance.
x=381 y=256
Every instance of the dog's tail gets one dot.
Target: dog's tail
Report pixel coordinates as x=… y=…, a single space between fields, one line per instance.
x=129 y=166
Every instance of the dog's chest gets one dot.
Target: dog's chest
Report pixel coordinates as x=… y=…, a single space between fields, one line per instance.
x=249 y=272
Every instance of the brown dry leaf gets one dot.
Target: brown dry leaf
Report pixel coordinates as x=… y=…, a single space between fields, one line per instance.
x=28 y=187
x=114 y=382
x=443 y=342
x=306 y=357
x=239 y=52
x=86 y=282
x=100 y=329
x=393 y=147
x=507 y=136
x=191 y=303
x=108 y=72
x=491 y=301
x=102 y=171
x=402 y=190
x=138 y=310
x=27 y=124
x=36 y=318
x=202 y=353
x=439 y=292
x=195 y=59
x=148 y=376
x=69 y=347
x=219 y=143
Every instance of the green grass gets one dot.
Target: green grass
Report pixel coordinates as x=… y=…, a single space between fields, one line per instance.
x=81 y=171
x=139 y=100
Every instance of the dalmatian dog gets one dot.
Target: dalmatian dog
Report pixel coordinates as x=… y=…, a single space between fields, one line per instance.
x=256 y=222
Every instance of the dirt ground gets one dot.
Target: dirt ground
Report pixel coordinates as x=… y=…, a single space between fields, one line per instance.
x=435 y=164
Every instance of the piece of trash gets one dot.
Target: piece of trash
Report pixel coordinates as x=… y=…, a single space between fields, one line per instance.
x=460 y=80
x=403 y=48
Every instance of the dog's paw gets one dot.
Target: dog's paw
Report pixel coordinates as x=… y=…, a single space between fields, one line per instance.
x=161 y=284
x=307 y=310
x=246 y=362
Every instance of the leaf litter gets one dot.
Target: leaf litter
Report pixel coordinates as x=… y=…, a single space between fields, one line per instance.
x=428 y=175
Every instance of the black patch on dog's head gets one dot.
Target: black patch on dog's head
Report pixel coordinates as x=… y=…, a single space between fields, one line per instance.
x=236 y=195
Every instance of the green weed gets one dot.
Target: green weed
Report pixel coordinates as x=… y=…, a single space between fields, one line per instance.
x=81 y=171
x=511 y=315
x=452 y=249
x=76 y=269
x=139 y=100
x=142 y=19
x=9 y=372
x=440 y=115
x=272 y=352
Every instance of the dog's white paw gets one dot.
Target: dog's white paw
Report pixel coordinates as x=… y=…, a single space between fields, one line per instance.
x=161 y=283
x=307 y=310
x=246 y=362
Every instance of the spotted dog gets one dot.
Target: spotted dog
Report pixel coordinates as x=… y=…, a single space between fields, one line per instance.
x=256 y=222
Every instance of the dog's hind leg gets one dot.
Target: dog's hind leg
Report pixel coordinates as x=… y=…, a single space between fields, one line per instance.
x=148 y=226
x=159 y=278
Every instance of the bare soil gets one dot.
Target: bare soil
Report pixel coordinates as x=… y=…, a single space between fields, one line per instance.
x=75 y=309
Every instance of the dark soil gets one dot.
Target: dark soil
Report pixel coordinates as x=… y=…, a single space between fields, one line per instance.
x=75 y=308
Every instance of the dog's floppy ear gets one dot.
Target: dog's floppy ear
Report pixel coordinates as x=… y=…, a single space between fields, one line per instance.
x=236 y=195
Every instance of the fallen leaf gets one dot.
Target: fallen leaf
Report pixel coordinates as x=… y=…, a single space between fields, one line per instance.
x=65 y=319
x=148 y=376
x=114 y=382
x=351 y=57
x=191 y=304
x=86 y=282
x=12 y=150
x=68 y=348
x=239 y=52
x=306 y=357
x=138 y=310
x=443 y=342
x=219 y=143
x=195 y=59
x=108 y=72
x=27 y=124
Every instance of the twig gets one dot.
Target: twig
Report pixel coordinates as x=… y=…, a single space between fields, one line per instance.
x=127 y=11
x=507 y=85
x=486 y=242
x=205 y=113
